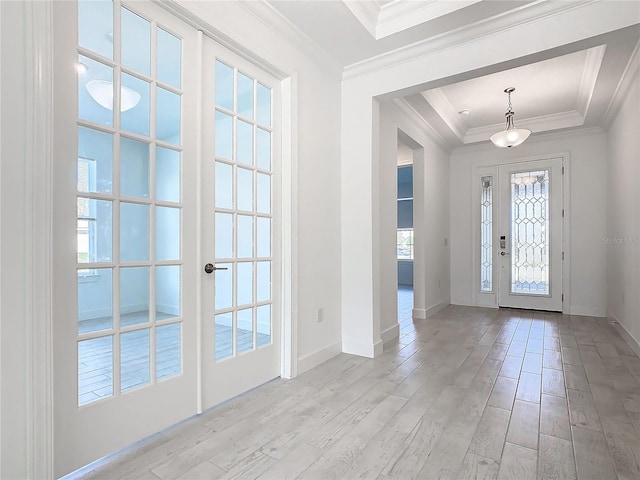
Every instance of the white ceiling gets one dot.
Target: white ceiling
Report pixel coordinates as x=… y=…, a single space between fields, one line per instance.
x=569 y=88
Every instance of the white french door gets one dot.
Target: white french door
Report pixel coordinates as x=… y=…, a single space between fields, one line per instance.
x=240 y=198
x=529 y=249
x=131 y=226
x=125 y=306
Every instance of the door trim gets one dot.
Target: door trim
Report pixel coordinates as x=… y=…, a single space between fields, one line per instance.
x=38 y=227
x=484 y=299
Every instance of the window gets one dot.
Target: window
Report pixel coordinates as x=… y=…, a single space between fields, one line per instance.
x=86 y=216
x=404 y=244
x=404 y=240
x=486 y=235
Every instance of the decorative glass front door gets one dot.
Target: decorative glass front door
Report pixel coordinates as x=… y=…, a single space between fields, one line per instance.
x=530 y=236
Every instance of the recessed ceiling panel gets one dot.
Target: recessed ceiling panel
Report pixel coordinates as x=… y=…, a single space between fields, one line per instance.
x=542 y=88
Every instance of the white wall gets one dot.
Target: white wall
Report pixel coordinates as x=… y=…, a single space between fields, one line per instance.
x=13 y=347
x=431 y=220
x=622 y=237
x=587 y=214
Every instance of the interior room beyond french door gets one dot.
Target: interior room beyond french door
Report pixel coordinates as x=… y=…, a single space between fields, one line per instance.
x=240 y=221
x=530 y=235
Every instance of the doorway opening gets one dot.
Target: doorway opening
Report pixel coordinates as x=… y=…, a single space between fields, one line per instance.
x=405 y=232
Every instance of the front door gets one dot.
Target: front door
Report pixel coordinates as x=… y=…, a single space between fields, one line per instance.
x=530 y=235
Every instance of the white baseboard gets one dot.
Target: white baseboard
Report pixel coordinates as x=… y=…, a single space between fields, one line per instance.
x=419 y=313
x=626 y=334
x=169 y=309
x=390 y=333
x=378 y=347
x=587 y=311
x=133 y=308
x=95 y=313
x=431 y=311
x=314 y=359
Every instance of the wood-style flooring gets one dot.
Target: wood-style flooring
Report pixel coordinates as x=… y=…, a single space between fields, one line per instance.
x=468 y=393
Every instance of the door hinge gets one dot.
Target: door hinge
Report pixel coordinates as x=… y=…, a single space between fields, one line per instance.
x=563 y=297
x=563 y=170
x=563 y=213
x=563 y=255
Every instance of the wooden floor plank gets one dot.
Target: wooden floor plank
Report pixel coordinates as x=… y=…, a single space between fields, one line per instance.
x=593 y=460
x=555 y=461
x=524 y=424
x=518 y=463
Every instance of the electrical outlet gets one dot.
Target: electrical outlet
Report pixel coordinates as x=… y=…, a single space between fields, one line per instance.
x=320 y=315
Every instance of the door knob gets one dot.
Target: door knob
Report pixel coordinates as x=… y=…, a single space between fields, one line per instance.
x=210 y=268
x=504 y=253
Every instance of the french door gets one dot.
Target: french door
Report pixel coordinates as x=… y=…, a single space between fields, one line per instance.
x=240 y=195
x=159 y=164
x=529 y=249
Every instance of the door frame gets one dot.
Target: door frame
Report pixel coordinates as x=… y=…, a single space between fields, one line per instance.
x=481 y=169
x=37 y=226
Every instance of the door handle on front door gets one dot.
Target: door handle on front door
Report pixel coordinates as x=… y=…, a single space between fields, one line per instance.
x=504 y=253
x=210 y=268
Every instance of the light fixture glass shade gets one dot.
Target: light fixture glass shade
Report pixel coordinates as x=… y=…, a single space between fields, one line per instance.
x=102 y=92
x=510 y=137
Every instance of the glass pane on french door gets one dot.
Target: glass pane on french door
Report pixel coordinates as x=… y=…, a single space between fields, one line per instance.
x=129 y=202
x=242 y=212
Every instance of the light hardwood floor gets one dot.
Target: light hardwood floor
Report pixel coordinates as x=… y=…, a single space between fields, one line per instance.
x=468 y=393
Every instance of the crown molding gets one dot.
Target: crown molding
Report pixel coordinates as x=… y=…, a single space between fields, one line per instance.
x=628 y=79
x=592 y=65
x=399 y=15
x=366 y=13
x=269 y=16
x=536 y=137
x=539 y=124
x=417 y=119
x=489 y=26
x=449 y=115
x=291 y=34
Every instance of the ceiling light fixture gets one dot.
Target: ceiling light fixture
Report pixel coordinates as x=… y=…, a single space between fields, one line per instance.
x=102 y=92
x=510 y=136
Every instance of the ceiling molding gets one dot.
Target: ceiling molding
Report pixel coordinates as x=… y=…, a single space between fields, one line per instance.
x=527 y=13
x=628 y=79
x=366 y=13
x=542 y=123
x=592 y=65
x=399 y=15
x=534 y=138
x=449 y=115
x=290 y=33
x=411 y=113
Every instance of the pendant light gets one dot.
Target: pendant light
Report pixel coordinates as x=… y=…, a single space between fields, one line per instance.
x=102 y=92
x=510 y=136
